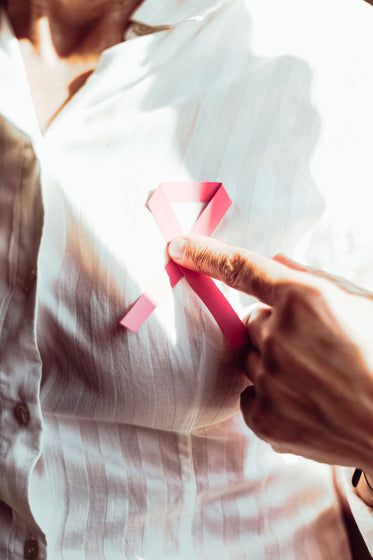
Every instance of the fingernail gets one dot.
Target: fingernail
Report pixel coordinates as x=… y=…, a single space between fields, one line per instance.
x=176 y=248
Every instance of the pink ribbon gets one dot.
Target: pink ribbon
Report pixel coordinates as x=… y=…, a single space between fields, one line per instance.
x=159 y=204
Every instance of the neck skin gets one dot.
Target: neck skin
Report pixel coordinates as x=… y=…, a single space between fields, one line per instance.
x=61 y=42
x=68 y=29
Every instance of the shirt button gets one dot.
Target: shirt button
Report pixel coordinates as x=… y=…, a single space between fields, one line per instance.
x=22 y=414
x=31 y=549
x=30 y=281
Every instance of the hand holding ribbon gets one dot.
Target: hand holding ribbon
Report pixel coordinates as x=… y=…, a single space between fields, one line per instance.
x=311 y=352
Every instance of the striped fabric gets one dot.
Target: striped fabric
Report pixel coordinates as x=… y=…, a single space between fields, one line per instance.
x=117 y=445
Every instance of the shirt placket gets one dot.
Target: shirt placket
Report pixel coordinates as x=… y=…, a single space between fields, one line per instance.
x=21 y=221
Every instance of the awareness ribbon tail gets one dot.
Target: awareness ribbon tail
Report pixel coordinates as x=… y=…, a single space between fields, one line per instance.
x=148 y=301
x=219 y=307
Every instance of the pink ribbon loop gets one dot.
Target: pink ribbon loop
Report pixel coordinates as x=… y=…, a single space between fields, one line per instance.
x=217 y=203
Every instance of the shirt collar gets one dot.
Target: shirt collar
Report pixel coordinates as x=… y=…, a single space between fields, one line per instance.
x=167 y=14
x=156 y=15
x=15 y=96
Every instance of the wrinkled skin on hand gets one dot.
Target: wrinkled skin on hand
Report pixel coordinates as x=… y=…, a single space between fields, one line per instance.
x=310 y=357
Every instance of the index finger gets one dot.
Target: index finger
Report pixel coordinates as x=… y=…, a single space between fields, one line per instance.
x=239 y=268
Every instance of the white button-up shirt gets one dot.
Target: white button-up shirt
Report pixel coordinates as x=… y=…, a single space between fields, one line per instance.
x=120 y=445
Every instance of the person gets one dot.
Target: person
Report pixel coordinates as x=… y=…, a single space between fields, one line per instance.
x=122 y=445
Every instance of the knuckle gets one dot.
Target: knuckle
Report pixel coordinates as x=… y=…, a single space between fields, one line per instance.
x=298 y=300
x=232 y=269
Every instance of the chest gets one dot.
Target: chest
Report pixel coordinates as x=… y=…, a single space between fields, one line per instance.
x=102 y=247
